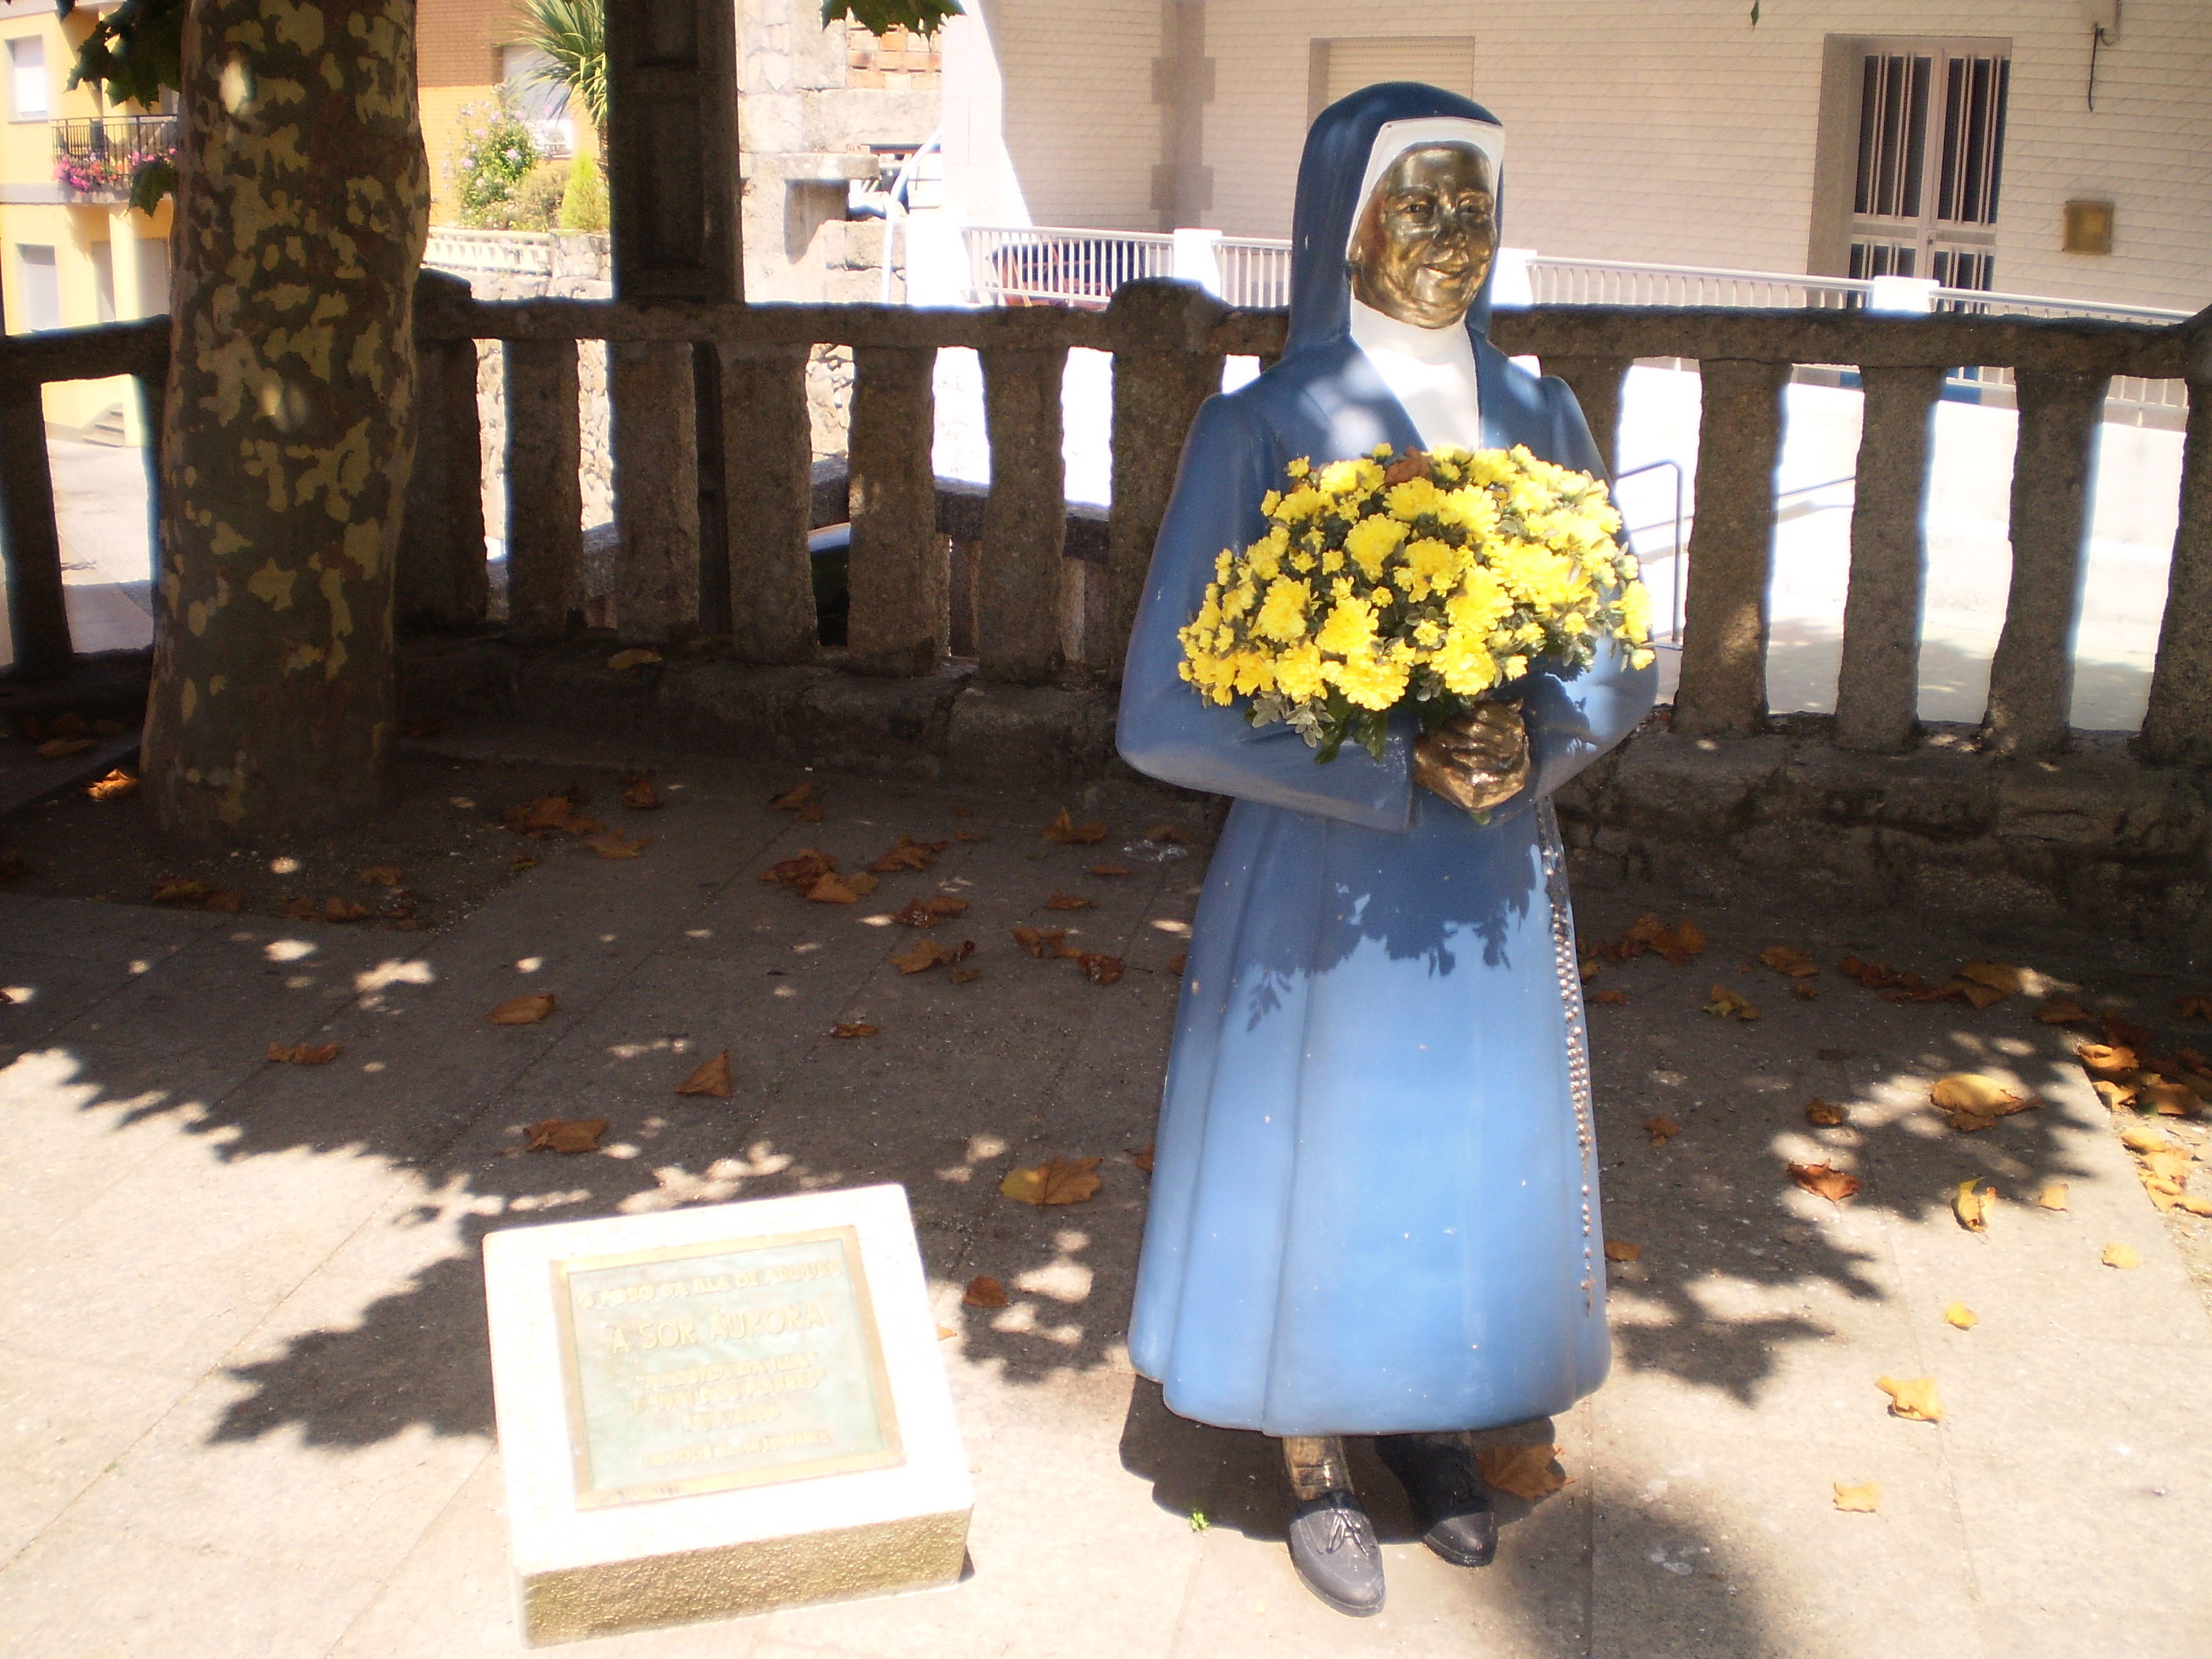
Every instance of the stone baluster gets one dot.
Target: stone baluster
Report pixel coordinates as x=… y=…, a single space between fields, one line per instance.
x=442 y=580
x=901 y=613
x=2032 y=674
x=1723 y=686
x=37 y=617
x=1878 y=688
x=768 y=455
x=545 y=491
x=1161 y=375
x=1017 y=590
x=1596 y=383
x=656 y=455
x=2178 y=728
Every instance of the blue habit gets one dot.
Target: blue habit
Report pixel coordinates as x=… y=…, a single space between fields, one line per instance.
x=1375 y=1205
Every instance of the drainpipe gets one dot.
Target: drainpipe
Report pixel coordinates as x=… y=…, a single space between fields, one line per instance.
x=895 y=207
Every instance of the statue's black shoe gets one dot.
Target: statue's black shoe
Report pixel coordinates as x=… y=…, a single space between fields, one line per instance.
x=1448 y=1497
x=1333 y=1547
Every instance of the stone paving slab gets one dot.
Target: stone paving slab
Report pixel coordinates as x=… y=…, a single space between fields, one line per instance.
x=245 y=1407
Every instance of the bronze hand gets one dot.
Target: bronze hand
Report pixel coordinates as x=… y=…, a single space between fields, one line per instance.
x=1477 y=761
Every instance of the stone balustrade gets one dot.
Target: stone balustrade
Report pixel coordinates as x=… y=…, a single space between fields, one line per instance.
x=717 y=494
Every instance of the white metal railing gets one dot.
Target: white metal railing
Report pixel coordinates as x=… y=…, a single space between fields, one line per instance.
x=1055 y=265
x=1045 y=264
x=522 y=252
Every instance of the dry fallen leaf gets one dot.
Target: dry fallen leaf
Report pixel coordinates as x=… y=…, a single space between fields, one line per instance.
x=908 y=854
x=2062 y=1011
x=1974 y=1100
x=1960 y=1316
x=830 y=889
x=1824 y=1115
x=1168 y=834
x=2053 y=1195
x=1973 y=1203
x=180 y=889
x=2196 y=1005
x=343 y=909
x=2121 y=1255
x=945 y=1333
x=225 y=901
x=984 y=1291
x=964 y=976
x=382 y=875
x=1912 y=1397
x=2002 y=977
x=1619 y=1249
x=1728 y=1005
x=793 y=798
x=1825 y=1181
x=520 y=862
x=1789 y=959
x=712 y=1078
x=1110 y=869
x=2114 y=1095
x=928 y=953
x=636 y=657
x=2125 y=1033
x=1142 y=1157
x=303 y=1054
x=62 y=748
x=1056 y=1181
x=1041 y=942
x=524 y=1010
x=1865 y=1498
x=1607 y=999
x=1064 y=831
x=1662 y=1129
x=1875 y=976
x=1981 y=996
x=1675 y=945
x=2143 y=1137
x=1070 y=901
x=854 y=1028
x=2167 y=1099
x=557 y=1134
x=1805 y=993
x=613 y=844
x=639 y=794
x=1098 y=969
x=1530 y=1472
x=1177 y=962
x=113 y=786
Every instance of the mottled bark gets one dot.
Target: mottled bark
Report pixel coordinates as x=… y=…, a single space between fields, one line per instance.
x=302 y=206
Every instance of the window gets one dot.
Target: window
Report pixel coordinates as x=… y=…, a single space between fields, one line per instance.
x=41 y=286
x=27 y=78
x=1337 y=69
x=1917 y=191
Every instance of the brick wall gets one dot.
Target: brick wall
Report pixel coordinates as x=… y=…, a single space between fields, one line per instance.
x=456 y=41
x=897 y=62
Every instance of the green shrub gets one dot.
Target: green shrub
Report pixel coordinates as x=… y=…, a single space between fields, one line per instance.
x=487 y=168
x=537 y=199
x=584 y=203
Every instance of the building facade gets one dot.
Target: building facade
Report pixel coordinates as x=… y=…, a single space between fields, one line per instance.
x=2051 y=147
x=73 y=252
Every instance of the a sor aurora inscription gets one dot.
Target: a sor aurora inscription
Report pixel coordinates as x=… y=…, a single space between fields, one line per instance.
x=708 y=1366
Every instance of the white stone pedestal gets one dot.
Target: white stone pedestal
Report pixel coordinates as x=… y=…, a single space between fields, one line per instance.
x=722 y=1411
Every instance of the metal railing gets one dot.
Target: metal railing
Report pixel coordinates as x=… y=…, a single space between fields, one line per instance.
x=96 y=157
x=1045 y=264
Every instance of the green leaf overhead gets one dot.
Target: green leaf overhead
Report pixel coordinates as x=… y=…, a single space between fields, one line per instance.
x=881 y=16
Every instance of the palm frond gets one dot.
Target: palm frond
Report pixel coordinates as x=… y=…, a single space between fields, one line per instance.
x=572 y=34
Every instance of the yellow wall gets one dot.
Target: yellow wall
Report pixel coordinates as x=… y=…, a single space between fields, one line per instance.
x=73 y=230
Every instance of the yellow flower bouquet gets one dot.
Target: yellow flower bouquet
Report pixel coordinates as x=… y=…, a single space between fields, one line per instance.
x=1422 y=581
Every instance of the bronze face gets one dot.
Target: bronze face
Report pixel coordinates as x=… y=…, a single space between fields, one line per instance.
x=1427 y=236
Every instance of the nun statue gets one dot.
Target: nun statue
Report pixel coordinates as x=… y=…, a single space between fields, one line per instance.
x=1374 y=1206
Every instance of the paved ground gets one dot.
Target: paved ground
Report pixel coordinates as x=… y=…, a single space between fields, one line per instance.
x=246 y=1409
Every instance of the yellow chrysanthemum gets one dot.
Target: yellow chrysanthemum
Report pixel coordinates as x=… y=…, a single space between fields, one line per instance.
x=1283 y=613
x=1412 y=499
x=1349 y=628
x=1370 y=542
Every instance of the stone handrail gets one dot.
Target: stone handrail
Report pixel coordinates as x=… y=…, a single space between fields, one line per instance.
x=710 y=409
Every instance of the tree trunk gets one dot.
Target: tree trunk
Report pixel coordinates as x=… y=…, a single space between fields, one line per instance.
x=302 y=208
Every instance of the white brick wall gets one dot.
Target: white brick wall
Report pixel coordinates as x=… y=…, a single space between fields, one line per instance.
x=1659 y=129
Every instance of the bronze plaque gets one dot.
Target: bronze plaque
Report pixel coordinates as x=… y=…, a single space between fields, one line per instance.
x=706 y=1366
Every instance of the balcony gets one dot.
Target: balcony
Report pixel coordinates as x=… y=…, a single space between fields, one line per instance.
x=94 y=160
